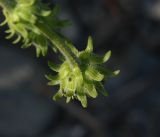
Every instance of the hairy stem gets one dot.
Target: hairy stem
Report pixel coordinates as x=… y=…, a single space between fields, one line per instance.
x=59 y=43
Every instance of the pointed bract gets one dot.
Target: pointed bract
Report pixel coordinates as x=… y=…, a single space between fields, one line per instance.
x=107 y=56
x=89 y=45
x=53 y=66
x=90 y=90
x=93 y=74
x=58 y=95
x=68 y=99
x=116 y=72
x=101 y=88
x=83 y=100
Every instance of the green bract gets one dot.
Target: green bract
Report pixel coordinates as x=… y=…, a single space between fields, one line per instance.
x=81 y=73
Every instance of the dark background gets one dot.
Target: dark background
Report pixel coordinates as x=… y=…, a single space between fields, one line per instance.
x=131 y=29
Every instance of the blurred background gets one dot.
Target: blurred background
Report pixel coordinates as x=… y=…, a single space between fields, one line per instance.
x=131 y=29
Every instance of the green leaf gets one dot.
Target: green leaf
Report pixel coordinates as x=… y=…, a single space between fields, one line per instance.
x=68 y=99
x=93 y=74
x=89 y=45
x=17 y=40
x=41 y=43
x=101 y=88
x=108 y=73
x=90 y=90
x=53 y=83
x=26 y=44
x=84 y=56
x=51 y=77
x=58 y=95
x=10 y=35
x=83 y=100
x=64 y=70
x=45 y=13
x=54 y=80
x=70 y=93
x=38 y=51
x=53 y=66
x=71 y=46
x=116 y=72
x=8 y=31
x=95 y=59
x=44 y=50
x=106 y=56
x=4 y=22
x=63 y=74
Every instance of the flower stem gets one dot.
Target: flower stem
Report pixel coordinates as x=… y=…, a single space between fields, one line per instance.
x=59 y=43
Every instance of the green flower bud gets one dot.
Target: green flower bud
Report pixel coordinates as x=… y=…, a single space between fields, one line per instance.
x=80 y=82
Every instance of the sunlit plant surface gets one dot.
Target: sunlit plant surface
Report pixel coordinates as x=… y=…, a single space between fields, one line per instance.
x=80 y=73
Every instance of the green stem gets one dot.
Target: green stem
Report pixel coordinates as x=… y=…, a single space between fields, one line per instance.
x=59 y=43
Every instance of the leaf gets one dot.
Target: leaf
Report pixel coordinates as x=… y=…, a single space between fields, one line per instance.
x=64 y=70
x=63 y=85
x=83 y=100
x=71 y=46
x=68 y=99
x=26 y=44
x=44 y=50
x=95 y=59
x=84 y=56
x=70 y=93
x=101 y=88
x=91 y=91
x=38 y=51
x=58 y=95
x=53 y=83
x=4 y=22
x=51 y=77
x=108 y=73
x=10 y=35
x=63 y=74
x=93 y=74
x=116 y=72
x=45 y=13
x=54 y=80
x=41 y=43
x=8 y=31
x=106 y=56
x=53 y=66
x=17 y=40
x=89 y=48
